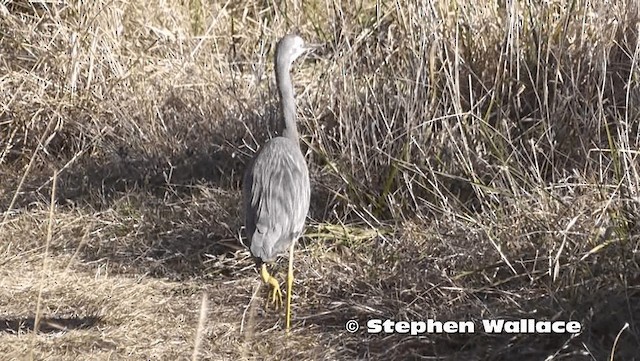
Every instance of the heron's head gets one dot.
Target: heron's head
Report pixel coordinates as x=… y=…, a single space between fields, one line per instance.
x=289 y=48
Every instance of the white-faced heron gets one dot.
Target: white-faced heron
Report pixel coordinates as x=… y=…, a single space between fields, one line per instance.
x=276 y=187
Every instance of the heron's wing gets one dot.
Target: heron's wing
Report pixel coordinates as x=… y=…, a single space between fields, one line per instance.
x=277 y=197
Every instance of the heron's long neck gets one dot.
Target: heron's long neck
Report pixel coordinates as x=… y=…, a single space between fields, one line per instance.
x=287 y=101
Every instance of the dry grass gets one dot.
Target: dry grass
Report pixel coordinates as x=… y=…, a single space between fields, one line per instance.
x=469 y=160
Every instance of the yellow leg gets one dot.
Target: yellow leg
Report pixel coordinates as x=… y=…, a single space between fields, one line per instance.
x=290 y=285
x=276 y=296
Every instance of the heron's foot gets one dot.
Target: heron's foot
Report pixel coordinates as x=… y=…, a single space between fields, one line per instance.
x=275 y=292
x=276 y=296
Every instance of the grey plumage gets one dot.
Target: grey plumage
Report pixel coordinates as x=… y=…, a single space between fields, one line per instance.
x=276 y=187
x=276 y=198
x=276 y=184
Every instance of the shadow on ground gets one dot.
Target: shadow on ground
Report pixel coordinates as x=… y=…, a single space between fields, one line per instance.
x=19 y=325
x=168 y=205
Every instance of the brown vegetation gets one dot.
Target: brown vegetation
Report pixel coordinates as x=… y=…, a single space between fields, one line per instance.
x=469 y=160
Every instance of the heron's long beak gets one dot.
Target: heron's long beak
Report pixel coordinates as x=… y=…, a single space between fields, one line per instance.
x=310 y=49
